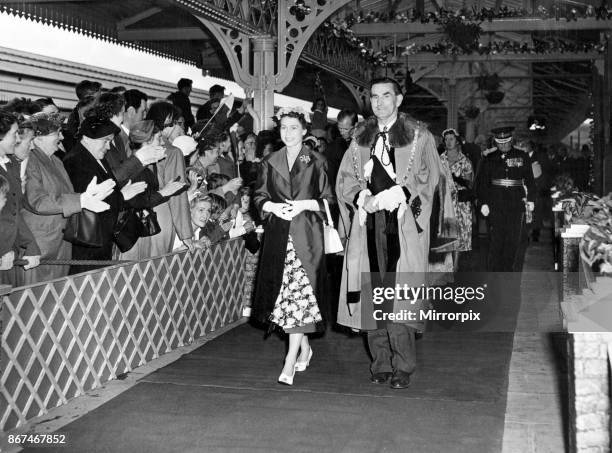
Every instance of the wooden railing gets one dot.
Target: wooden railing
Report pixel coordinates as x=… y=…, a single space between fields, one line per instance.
x=67 y=336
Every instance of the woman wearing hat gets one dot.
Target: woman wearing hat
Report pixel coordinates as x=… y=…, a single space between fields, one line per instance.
x=463 y=175
x=85 y=162
x=51 y=198
x=141 y=134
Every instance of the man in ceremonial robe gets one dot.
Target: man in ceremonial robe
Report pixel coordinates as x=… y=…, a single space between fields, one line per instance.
x=385 y=189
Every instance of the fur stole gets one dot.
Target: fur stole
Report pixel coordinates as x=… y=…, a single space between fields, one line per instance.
x=401 y=133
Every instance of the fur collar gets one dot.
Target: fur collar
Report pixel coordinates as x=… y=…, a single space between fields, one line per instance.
x=400 y=134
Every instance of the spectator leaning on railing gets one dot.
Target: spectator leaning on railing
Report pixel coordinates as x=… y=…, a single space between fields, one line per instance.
x=83 y=163
x=173 y=216
x=51 y=198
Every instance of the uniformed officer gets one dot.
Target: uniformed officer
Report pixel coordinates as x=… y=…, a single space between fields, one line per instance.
x=506 y=191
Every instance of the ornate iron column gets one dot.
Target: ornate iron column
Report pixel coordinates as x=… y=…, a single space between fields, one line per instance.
x=255 y=36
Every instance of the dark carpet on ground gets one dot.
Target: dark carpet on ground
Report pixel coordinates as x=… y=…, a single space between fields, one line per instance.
x=224 y=397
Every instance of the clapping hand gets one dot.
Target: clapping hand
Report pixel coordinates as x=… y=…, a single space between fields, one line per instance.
x=130 y=190
x=94 y=194
x=102 y=190
x=171 y=188
x=150 y=154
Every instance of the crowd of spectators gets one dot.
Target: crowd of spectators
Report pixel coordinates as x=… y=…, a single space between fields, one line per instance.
x=149 y=175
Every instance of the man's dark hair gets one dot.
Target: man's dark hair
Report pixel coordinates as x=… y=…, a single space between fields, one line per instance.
x=7 y=119
x=22 y=106
x=381 y=80
x=133 y=98
x=184 y=83
x=118 y=89
x=347 y=114
x=216 y=90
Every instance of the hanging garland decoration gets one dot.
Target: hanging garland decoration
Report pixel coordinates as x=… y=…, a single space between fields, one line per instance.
x=505 y=47
x=461 y=34
x=558 y=12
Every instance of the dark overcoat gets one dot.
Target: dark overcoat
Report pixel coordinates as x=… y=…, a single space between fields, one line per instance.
x=82 y=167
x=307 y=180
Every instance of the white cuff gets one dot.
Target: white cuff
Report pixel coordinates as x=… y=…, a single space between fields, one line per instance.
x=267 y=206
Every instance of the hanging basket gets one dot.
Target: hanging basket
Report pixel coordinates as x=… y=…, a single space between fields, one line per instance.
x=471 y=112
x=495 y=97
x=489 y=82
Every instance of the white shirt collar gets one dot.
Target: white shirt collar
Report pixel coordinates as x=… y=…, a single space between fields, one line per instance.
x=388 y=125
x=125 y=129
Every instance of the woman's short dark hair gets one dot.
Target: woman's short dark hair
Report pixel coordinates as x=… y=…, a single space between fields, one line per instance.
x=216 y=180
x=23 y=106
x=160 y=111
x=217 y=204
x=7 y=119
x=297 y=115
x=108 y=105
x=245 y=190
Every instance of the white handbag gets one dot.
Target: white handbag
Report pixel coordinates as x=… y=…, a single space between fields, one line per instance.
x=331 y=236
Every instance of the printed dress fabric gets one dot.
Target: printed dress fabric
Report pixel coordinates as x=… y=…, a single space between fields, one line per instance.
x=296 y=307
x=463 y=210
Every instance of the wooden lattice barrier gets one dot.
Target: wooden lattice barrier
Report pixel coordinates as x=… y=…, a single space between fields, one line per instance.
x=65 y=337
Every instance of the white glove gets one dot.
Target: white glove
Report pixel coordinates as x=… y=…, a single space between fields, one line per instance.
x=130 y=190
x=33 y=261
x=100 y=191
x=484 y=209
x=6 y=262
x=150 y=154
x=93 y=204
x=298 y=206
x=360 y=203
x=278 y=209
x=391 y=198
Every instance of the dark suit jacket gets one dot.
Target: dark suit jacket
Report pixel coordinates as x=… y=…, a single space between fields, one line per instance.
x=82 y=167
x=14 y=233
x=123 y=163
x=307 y=180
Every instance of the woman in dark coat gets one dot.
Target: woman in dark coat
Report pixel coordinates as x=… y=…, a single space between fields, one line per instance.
x=289 y=194
x=86 y=161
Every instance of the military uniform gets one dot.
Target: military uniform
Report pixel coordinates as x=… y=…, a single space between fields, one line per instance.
x=505 y=178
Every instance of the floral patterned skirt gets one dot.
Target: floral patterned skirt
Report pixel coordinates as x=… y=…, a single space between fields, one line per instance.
x=296 y=307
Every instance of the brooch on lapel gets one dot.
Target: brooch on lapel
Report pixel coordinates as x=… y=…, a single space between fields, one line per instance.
x=305 y=159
